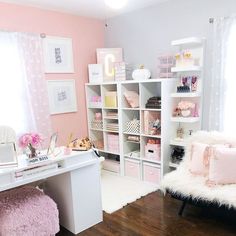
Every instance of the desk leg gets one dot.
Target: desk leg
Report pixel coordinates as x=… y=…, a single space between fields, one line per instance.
x=78 y=196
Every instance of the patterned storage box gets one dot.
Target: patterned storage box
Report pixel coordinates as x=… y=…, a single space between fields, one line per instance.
x=97 y=124
x=113 y=143
x=133 y=126
x=153 y=151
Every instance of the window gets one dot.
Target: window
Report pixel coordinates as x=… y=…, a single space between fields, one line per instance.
x=23 y=92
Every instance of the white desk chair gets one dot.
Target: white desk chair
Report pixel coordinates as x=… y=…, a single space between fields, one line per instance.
x=7 y=134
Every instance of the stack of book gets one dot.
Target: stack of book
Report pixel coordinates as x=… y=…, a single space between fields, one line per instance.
x=112 y=127
x=154 y=103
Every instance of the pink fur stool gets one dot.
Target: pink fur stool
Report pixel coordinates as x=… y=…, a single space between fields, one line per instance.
x=27 y=211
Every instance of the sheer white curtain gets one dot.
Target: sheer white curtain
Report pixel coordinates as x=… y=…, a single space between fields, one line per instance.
x=23 y=93
x=222 y=112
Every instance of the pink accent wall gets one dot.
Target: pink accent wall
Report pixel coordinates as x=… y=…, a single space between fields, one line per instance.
x=87 y=35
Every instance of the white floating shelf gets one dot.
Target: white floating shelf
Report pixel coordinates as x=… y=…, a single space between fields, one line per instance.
x=178 y=143
x=185 y=119
x=190 y=42
x=173 y=165
x=186 y=68
x=186 y=95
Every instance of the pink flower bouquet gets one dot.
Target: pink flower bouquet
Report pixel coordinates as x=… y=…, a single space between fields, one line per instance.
x=30 y=141
x=186 y=105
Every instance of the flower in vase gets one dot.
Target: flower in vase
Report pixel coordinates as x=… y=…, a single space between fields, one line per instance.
x=186 y=105
x=31 y=141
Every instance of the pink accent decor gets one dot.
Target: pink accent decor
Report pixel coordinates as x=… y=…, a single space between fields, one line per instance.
x=153 y=151
x=132 y=168
x=151 y=173
x=27 y=211
x=222 y=166
x=199 y=152
x=132 y=98
x=113 y=143
x=87 y=35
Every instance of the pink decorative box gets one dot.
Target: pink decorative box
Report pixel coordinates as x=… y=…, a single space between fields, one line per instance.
x=132 y=168
x=111 y=165
x=153 y=151
x=151 y=173
x=113 y=143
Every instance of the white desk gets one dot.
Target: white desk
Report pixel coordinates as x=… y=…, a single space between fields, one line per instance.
x=73 y=181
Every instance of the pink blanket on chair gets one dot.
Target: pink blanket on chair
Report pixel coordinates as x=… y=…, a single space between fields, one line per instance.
x=27 y=211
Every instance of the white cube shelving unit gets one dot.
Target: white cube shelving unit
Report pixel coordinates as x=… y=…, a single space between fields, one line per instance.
x=146 y=89
x=197 y=47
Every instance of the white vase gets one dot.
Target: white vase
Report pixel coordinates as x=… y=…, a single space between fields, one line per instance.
x=186 y=113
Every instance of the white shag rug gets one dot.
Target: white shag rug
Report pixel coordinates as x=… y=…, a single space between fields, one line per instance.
x=118 y=191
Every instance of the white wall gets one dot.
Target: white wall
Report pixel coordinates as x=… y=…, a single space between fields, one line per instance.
x=145 y=33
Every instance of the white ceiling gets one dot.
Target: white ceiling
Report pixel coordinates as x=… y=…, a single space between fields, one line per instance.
x=90 y=8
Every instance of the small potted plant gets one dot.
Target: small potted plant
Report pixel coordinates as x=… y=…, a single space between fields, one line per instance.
x=186 y=108
x=30 y=142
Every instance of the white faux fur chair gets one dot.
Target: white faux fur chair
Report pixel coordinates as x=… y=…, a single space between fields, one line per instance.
x=182 y=185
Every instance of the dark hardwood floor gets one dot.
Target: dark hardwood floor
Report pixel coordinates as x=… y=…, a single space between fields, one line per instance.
x=158 y=215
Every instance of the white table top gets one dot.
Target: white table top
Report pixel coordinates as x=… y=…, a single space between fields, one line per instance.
x=66 y=163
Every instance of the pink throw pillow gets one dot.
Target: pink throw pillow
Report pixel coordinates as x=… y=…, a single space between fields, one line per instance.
x=132 y=98
x=222 y=166
x=199 y=159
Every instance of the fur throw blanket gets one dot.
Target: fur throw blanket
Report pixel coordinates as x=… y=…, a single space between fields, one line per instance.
x=182 y=182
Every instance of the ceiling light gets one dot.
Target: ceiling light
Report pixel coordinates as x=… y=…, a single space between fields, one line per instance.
x=116 y=4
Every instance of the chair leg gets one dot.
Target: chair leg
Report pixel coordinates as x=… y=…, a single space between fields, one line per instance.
x=182 y=208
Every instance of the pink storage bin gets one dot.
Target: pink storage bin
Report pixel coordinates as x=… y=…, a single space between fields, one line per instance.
x=153 y=151
x=132 y=168
x=151 y=173
x=113 y=143
x=111 y=165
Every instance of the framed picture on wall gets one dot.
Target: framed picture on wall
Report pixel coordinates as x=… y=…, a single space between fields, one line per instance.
x=58 y=55
x=62 y=96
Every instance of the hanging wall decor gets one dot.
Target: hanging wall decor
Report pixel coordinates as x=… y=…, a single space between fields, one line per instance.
x=62 y=96
x=58 y=55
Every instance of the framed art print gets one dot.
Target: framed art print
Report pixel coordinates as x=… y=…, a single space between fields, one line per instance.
x=95 y=73
x=62 y=96
x=107 y=57
x=58 y=55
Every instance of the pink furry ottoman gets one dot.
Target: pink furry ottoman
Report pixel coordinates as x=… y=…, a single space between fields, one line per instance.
x=27 y=211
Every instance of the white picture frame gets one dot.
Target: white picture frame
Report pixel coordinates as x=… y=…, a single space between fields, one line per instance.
x=62 y=96
x=95 y=73
x=58 y=55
